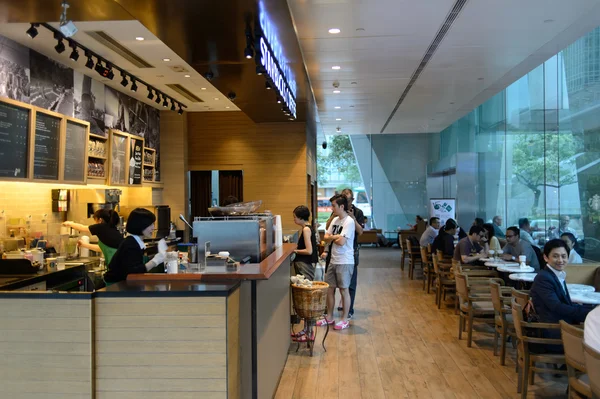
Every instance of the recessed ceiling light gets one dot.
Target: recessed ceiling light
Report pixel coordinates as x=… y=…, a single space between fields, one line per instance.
x=334 y=31
x=187 y=76
x=166 y=59
x=338 y=107
x=203 y=88
x=336 y=92
x=227 y=107
x=336 y=67
x=139 y=39
x=216 y=98
x=338 y=119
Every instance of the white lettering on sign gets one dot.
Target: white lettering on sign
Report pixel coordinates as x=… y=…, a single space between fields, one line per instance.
x=271 y=66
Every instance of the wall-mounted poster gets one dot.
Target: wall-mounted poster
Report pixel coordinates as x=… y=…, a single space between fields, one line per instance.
x=75 y=152
x=51 y=84
x=14 y=70
x=136 y=153
x=118 y=156
x=89 y=102
x=14 y=140
x=47 y=142
x=443 y=208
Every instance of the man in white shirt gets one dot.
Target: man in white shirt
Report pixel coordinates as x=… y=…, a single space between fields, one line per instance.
x=525 y=232
x=591 y=331
x=341 y=267
x=432 y=231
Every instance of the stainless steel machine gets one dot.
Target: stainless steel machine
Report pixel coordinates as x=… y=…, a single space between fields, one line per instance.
x=242 y=236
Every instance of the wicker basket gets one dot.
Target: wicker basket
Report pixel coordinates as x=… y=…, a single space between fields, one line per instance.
x=310 y=302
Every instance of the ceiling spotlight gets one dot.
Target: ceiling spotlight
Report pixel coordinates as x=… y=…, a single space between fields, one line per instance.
x=209 y=75
x=338 y=119
x=139 y=39
x=172 y=105
x=336 y=92
x=90 y=62
x=150 y=94
x=110 y=75
x=133 y=85
x=267 y=86
x=337 y=107
x=74 y=54
x=278 y=100
x=248 y=52
x=334 y=31
x=32 y=32
x=180 y=112
x=124 y=82
x=165 y=102
x=203 y=88
x=157 y=98
x=338 y=129
x=259 y=70
x=336 y=67
x=166 y=59
x=187 y=76
x=60 y=47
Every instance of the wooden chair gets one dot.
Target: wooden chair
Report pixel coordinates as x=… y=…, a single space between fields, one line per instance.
x=572 y=338
x=504 y=325
x=521 y=296
x=444 y=282
x=414 y=256
x=427 y=268
x=471 y=308
x=592 y=364
x=403 y=252
x=527 y=359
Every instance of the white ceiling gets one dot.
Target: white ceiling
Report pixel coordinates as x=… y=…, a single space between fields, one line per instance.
x=151 y=49
x=490 y=45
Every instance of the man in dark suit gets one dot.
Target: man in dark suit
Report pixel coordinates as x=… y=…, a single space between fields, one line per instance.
x=550 y=294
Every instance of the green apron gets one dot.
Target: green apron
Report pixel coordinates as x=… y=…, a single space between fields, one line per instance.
x=108 y=253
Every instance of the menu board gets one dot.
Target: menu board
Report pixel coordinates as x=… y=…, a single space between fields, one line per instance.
x=14 y=140
x=136 y=153
x=75 y=148
x=118 y=156
x=47 y=139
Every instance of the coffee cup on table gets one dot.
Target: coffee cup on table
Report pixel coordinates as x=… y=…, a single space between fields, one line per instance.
x=522 y=260
x=492 y=253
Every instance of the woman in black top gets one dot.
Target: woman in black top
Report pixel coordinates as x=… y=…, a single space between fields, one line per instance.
x=129 y=258
x=105 y=229
x=306 y=253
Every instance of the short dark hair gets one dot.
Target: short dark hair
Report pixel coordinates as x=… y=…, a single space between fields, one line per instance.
x=108 y=216
x=571 y=238
x=523 y=222
x=302 y=212
x=139 y=219
x=490 y=230
x=419 y=218
x=553 y=244
x=476 y=230
x=348 y=191
x=515 y=230
x=340 y=200
x=479 y=222
x=433 y=220
x=450 y=224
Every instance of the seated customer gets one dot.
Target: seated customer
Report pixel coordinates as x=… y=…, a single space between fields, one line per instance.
x=430 y=233
x=549 y=291
x=516 y=247
x=445 y=239
x=469 y=249
x=591 y=331
x=491 y=237
x=571 y=242
x=525 y=230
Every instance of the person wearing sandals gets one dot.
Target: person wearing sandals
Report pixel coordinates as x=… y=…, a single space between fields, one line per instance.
x=341 y=267
x=306 y=255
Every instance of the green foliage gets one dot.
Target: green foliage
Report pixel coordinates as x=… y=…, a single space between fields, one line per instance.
x=341 y=158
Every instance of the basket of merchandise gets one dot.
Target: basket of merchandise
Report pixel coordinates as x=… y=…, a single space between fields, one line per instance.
x=309 y=297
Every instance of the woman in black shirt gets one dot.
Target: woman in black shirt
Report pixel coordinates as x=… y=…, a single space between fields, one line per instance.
x=105 y=229
x=306 y=253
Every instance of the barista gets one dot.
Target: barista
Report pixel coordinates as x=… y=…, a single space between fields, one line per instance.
x=129 y=258
x=105 y=229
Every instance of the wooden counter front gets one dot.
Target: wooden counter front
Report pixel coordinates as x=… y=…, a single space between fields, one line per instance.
x=250 y=271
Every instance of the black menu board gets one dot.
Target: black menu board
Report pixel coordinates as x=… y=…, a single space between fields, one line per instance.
x=14 y=140
x=136 y=153
x=75 y=147
x=47 y=139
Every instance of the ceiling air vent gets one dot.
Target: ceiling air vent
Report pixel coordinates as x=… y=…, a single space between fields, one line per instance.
x=184 y=92
x=437 y=40
x=106 y=40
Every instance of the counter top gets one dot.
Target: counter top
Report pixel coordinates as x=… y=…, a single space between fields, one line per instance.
x=165 y=289
x=249 y=271
x=13 y=281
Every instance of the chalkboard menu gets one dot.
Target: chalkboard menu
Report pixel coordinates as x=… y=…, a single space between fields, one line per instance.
x=14 y=141
x=136 y=153
x=47 y=139
x=75 y=148
x=118 y=156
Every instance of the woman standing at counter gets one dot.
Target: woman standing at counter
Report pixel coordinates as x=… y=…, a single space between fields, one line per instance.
x=105 y=229
x=306 y=253
x=129 y=258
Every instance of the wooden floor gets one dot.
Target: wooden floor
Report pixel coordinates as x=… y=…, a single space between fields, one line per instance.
x=401 y=345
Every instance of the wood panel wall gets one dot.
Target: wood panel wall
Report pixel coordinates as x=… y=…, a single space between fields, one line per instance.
x=155 y=348
x=271 y=155
x=46 y=348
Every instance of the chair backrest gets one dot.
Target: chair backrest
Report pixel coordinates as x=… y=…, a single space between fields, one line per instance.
x=409 y=247
x=517 y=313
x=592 y=365
x=436 y=265
x=440 y=255
x=520 y=296
x=429 y=249
x=424 y=256
x=462 y=287
x=496 y=298
x=572 y=338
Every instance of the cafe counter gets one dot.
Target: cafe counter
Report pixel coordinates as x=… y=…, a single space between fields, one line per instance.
x=153 y=336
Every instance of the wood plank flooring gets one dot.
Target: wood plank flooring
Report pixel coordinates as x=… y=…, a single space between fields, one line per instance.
x=401 y=346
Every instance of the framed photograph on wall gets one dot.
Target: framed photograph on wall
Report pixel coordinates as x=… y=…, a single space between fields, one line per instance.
x=119 y=155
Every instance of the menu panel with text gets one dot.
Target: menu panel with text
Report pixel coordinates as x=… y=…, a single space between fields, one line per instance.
x=75 y=148
x=47 y=139
x=14 y=140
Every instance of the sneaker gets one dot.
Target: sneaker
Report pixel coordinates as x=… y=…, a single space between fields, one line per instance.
x=324 y=322
x=340 y=325
x=350 y=315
